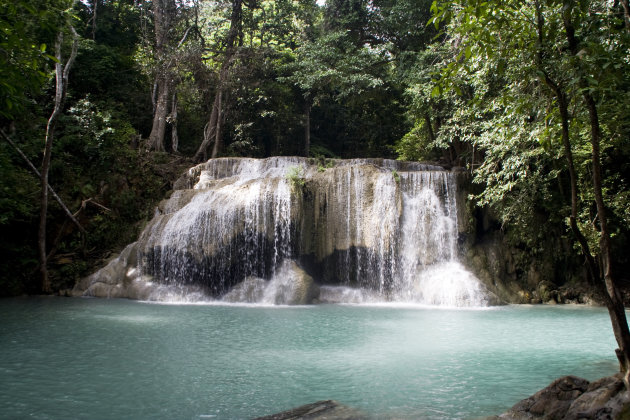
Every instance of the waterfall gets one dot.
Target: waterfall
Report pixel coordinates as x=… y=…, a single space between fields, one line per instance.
x=288 y=230
x=233 y=227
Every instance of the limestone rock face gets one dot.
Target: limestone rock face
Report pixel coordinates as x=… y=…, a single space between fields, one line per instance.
x=540 y=266
x=261 y=230
x=573 y=398
x=113 y=280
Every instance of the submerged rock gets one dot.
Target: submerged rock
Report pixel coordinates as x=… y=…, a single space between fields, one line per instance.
x=320 y=410
x=573 y=398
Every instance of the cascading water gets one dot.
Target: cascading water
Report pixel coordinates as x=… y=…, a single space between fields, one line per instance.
x=234 y=226
x=430 y=272
x=275 y=230
x=401 y=234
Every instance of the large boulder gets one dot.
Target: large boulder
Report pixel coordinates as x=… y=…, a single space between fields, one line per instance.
x=250 y=290
x=573 y=398
x=290 y=285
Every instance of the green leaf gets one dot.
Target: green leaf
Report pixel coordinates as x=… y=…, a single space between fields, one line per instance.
x=434 y=7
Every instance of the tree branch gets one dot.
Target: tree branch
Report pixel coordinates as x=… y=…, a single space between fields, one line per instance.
x=61 y=78
x=184 y=37
x=36 y=172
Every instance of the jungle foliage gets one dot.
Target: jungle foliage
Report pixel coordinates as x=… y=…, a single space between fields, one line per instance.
x=495 y=87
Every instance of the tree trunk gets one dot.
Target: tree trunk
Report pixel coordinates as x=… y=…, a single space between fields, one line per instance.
x=307 y=127
x=50 y=189
x=154 y=94
x=568 y=153
x=563 y=109
x=217 y=129
x=614 y=302
x=626 y=13
x=156 y=138
x=615 y=305
x=163 y=11
x=208 y=133
x=212 y=131
x=94 y=20
x=427 y=121
x=61 y=78
x=173 y=120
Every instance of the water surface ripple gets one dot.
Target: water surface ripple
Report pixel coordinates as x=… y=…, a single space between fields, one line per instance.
x=119 y=359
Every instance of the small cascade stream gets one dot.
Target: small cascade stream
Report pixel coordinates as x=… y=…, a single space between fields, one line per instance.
x=284 y=230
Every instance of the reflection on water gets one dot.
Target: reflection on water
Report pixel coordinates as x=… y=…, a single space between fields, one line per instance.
x=91 y=359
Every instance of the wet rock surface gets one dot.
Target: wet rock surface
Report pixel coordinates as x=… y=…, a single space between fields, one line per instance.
x=521 y=269
x=573 y=398
x=289 y=286
x=321 y=410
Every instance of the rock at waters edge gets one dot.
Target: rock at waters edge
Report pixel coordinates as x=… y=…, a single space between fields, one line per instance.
x=573 y=398
x=111 y=280
x=250 y=290
x=291 y=285
x=320 y=410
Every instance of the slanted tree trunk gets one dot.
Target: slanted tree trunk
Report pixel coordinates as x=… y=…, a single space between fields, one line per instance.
x=591 y=265
x=614 y=302
x=615 y=305
x=563 y=109
x=173 y=122
x=212 y=132
x=39 y=176
x=61 y=80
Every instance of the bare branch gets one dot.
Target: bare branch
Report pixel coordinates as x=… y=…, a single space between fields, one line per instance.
x=36 y=172
x=184 y=37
